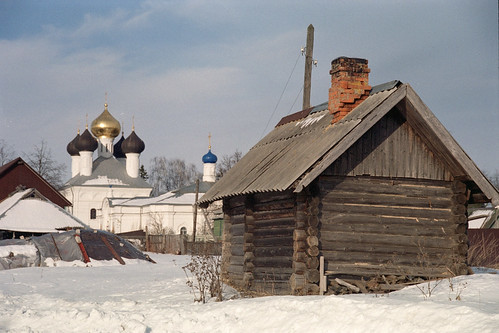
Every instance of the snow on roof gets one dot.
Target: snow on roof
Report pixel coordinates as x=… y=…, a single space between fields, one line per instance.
x=477 y=218
x=169 y=198
x=103 y=180
x=28 y=211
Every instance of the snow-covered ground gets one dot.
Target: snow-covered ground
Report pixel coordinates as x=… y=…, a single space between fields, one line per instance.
x=145 y=297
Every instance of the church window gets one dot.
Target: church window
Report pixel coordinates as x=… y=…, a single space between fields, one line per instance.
x=183 y=231
x=93 y=214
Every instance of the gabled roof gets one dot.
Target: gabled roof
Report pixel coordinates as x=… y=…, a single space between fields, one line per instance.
x=29 y=211
x=301 y=147
x=18 y=172
x=108 y=172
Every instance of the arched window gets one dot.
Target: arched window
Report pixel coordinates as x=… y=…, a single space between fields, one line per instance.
x=183 y=231
x=93 y=214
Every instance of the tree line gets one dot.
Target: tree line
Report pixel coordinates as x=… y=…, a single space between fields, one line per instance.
x=164 y=174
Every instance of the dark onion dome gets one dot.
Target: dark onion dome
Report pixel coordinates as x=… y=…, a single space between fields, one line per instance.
x=86 y=142
x=133 y=144
x=105 y=125
x=209 y=157
x=71 y=148
x=118 y=152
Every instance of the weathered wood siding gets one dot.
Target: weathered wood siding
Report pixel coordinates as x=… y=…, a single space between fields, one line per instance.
x=391 y=148
x=232 y=249
x=377 y=226
x=274 y=223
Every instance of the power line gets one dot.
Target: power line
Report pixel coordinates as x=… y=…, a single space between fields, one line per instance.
x=280 y=97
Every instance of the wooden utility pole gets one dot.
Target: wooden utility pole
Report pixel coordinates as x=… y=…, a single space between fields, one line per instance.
x=307 y=81
x=195 y=213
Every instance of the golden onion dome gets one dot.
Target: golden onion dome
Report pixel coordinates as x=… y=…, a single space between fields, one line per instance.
x=105 y=125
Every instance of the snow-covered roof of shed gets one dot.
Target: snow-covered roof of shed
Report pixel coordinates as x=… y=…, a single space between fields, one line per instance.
x=29 y=211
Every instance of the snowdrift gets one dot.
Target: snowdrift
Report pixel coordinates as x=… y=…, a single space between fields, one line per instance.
x=80 y=244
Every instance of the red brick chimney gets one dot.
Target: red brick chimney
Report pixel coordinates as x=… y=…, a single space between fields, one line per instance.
x=349 y=85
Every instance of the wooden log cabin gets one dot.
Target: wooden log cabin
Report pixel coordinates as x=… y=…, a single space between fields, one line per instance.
x=369 y=183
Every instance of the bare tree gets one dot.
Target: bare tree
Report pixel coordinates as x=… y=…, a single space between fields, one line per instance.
x=42 y=161
x=493 y=178
x=6 y=152
x=227 y=162
x=167 y=175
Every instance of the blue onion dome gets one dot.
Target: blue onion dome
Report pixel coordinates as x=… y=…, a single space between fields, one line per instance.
x=71 y=148
x=118 y=152
x=209 y=157
x=133 y=144
x=86 y=142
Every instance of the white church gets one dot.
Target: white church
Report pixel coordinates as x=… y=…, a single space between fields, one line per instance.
x=108 y=193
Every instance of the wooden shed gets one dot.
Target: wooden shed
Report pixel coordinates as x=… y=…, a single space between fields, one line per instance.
x=371 y=182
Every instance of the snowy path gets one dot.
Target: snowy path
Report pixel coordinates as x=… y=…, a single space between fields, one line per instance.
x=143 y=297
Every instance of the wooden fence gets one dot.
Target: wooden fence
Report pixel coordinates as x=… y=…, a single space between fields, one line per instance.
x=173 y=244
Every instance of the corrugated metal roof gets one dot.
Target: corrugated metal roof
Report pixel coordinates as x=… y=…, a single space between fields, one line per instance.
x=289 y=151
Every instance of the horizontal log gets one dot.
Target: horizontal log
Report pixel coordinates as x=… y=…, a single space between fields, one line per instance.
x=248 y=266
x=248 y=247
x=300 y=256
x=312 y=262
x=312 y=275
x=409 y=187
x=273 y=214
x=273 y=241
x=237 y=229
x=413 y=221
x=381 y=239
x=387 y=199
x=312 y=231
x=277 y=262
x=458 y=209
x=313 y=251
x=405 y=229
x=299 y=246
x=248 y=237
x=458 y=187
x=459 y=199
x=236 y=239
x=273 y=274
x=299 y=235
x=274 y=205
x=235 y=269
x=299 y=267
x=236 y=260
x=274 y=232
x=237 y=201
x=312 y=289
x=313 y=221
x=275 y=222
x=377 y=258
x=312 y=241
x=236 y=250
x=460 y=249
x=236 y=219
x=273 y=196
x=433 y=213
x=367 y=270
x=248 y=278
x=248 y=256
x=273 y=251
x=297 y=281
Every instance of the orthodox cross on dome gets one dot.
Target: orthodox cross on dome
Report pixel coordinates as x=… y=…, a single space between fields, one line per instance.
x=86 y=121
x=209 y=141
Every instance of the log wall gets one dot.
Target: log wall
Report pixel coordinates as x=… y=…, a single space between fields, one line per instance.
x=377 y=226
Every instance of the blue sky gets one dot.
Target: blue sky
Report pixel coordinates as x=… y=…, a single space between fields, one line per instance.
x=184 y=69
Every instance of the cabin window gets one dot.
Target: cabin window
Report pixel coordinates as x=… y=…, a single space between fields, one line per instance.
x=183 y=231
x=93 y=214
